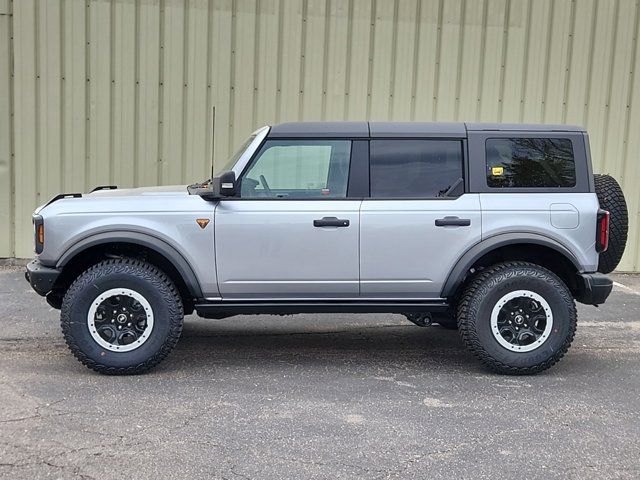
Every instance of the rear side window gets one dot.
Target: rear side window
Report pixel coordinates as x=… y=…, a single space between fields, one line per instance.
x=415 y=168
x=530 y=162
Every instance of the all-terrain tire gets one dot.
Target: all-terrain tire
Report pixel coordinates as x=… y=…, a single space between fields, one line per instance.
x=152 y=285
x=611 y=198
x=487 y=289
x=446 y=321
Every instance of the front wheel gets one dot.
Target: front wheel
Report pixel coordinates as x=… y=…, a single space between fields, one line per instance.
x=518 y=318
x=121 y=316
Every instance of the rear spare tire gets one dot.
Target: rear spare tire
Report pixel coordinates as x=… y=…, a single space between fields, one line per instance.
x=611 y=199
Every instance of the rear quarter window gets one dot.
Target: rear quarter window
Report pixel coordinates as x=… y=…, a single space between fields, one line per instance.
x=530 y=162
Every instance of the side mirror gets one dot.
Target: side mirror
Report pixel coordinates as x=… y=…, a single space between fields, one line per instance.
x=226 y=184
x=221 y=186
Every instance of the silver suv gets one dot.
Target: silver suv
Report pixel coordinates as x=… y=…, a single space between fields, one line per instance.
x=492 y=229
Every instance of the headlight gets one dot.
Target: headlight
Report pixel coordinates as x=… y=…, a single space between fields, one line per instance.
x=38 y=233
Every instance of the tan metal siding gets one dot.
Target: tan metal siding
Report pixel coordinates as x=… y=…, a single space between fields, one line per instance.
x=6 y=132
x=120 y=92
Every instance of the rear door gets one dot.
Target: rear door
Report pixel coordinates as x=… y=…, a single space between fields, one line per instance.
x=293 y=232
x=418 y=221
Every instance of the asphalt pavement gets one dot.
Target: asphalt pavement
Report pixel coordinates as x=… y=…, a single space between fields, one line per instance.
x=318 y=396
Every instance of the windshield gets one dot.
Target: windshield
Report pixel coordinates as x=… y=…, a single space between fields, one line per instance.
x=234 y=158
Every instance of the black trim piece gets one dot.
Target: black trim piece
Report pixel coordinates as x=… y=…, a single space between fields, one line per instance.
x=61 y=196
x=461 y=268
x=104 y=187
x=331 y=222
x=145 y=240
x=465 y=164
x=358 y=186
x=399 y=199
x=593 y=288
x=216 y=309
x=40 y=277
x=587 y=151
x=452 y=222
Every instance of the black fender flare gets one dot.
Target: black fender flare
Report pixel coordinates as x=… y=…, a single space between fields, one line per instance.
x=459 y=271
x=145 y=240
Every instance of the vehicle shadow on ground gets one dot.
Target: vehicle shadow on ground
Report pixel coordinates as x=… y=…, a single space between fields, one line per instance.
x=369 y=346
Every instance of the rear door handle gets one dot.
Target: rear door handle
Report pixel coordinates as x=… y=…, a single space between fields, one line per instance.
x=453 y=222
x=331 y=222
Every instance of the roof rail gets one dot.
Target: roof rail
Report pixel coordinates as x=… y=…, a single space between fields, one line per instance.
x=104 y=187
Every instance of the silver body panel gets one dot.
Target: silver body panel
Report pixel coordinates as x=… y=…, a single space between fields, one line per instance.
x=271 y=248
x=403 y=253
x=552 y=215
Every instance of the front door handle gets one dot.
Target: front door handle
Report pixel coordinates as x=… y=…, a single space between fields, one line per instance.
x=453 y=222
x=331 y=222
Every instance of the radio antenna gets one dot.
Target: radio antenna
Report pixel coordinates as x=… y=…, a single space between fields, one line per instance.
x=213 y=136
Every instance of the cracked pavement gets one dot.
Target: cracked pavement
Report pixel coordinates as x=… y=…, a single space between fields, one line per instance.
x=318 y=396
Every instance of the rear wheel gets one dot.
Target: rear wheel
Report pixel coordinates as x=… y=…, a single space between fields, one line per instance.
x=121 y=316
x=448 y=322
x=517 y=318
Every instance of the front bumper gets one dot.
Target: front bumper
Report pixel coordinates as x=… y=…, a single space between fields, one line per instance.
x=41 y=278
x=593 y=288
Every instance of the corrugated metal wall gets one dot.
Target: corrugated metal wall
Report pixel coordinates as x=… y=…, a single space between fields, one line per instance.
x=120 y=92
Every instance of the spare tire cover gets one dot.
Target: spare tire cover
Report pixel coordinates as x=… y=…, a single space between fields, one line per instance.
x=612 y=199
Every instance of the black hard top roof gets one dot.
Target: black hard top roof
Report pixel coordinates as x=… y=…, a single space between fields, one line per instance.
x=320 y=129
x=404 y=129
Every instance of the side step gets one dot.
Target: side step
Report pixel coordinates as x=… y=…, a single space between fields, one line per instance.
x=227 y=308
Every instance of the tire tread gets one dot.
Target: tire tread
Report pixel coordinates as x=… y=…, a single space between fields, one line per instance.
x=479 y=286
x=611 y=198
x=143 y=270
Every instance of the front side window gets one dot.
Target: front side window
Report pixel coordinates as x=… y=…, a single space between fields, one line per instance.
x=415 y=168
x=299 y=169
x=530 y=162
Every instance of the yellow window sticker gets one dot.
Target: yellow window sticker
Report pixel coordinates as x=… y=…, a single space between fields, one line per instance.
x=497 y=171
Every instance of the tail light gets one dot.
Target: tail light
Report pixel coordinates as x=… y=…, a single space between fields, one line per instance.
x=602 y=231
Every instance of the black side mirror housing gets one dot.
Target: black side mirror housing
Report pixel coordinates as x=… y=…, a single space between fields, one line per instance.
x=221 y=186
x=227 y=184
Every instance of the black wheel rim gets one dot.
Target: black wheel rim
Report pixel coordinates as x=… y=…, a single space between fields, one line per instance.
x=120 y=319
x=521 y=321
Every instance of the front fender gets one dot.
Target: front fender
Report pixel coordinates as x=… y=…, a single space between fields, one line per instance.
x=146 y=240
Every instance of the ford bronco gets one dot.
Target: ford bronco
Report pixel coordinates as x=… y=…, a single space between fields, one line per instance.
x=493 y=229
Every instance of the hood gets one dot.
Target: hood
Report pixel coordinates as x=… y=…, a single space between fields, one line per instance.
x=167 y=190
x=120 y=195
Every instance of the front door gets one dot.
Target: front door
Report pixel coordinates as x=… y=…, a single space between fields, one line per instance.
x=293 y=232
x=418 y=220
